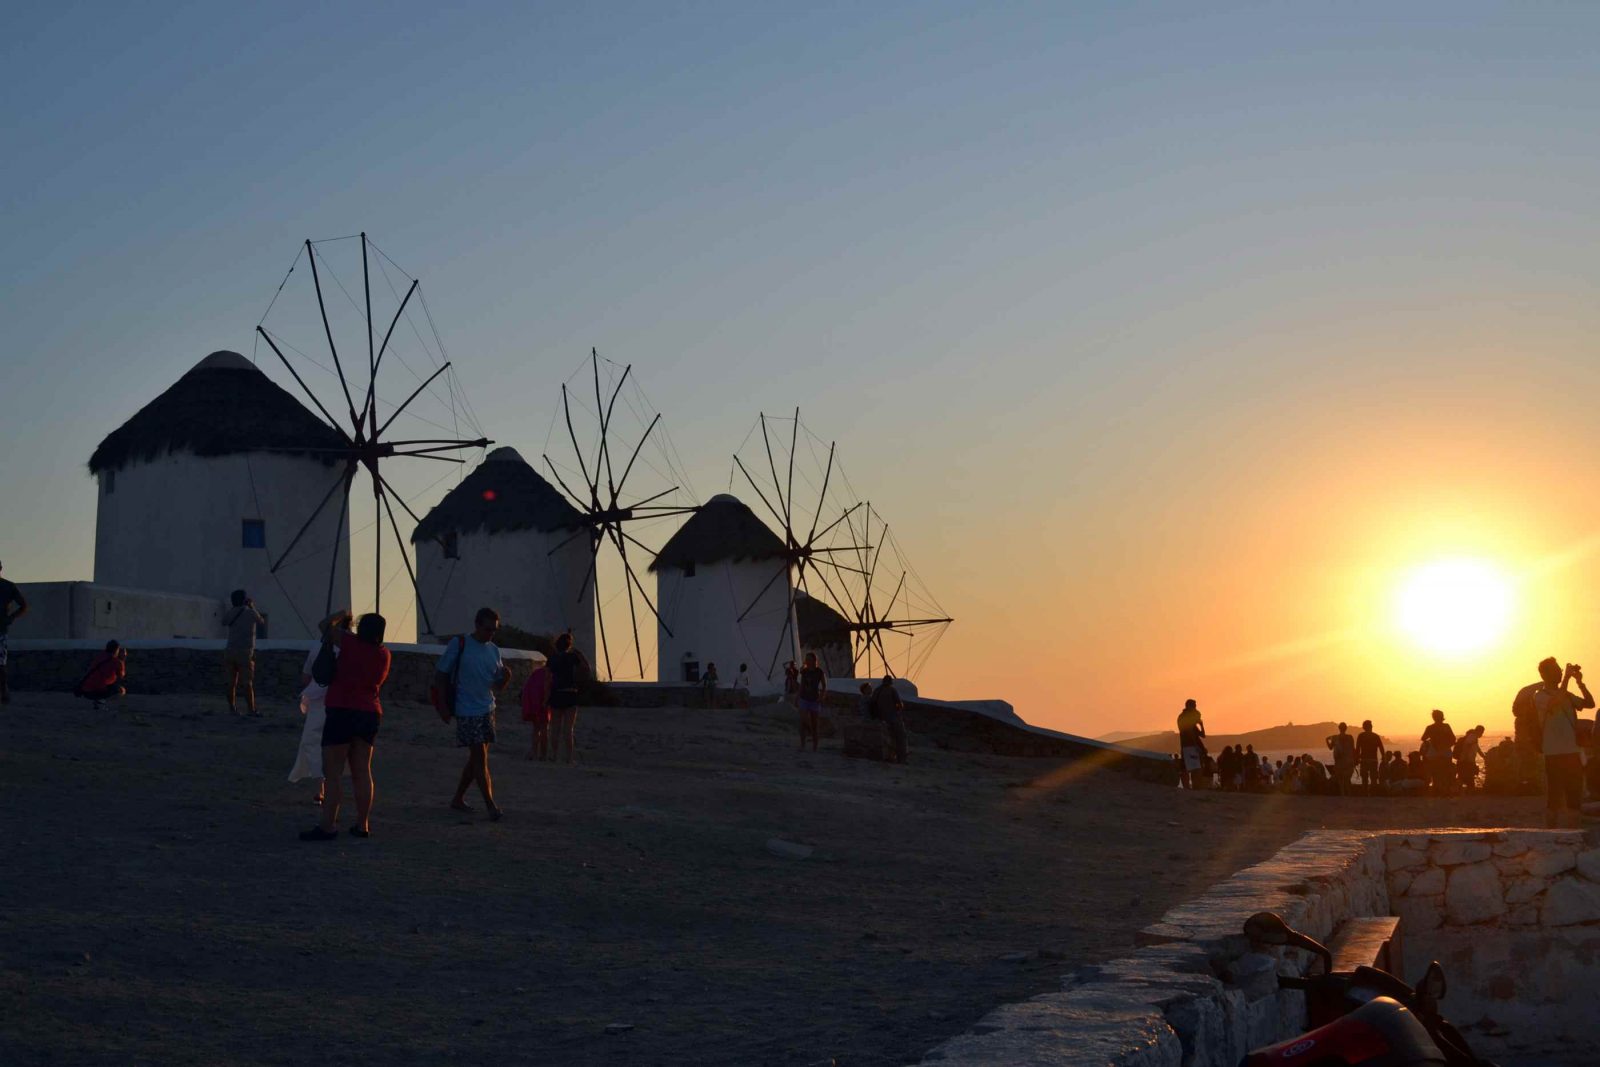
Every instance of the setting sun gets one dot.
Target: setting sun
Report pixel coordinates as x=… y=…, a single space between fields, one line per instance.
x=1454 y=606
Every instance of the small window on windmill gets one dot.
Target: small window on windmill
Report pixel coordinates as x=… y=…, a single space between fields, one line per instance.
x=452 y=545
x=109 y=480
x=688 y=569
x=255 y=533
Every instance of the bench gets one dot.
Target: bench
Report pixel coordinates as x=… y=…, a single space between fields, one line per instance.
x=1370 y=941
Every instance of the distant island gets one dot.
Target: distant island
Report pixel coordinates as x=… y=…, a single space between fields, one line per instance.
x=1290 y=737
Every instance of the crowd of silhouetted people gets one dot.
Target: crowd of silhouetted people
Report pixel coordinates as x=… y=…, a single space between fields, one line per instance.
x=1552 y=751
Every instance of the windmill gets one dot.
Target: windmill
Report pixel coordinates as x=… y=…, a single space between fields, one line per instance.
x=838 y=551
x=811 y=533
x=369 y=414
x=890 y=599
x=601 y=479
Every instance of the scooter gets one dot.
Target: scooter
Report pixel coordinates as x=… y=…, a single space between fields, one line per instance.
x=1366 y=1016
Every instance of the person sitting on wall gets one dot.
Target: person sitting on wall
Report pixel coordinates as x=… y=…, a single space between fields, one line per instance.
x=106 y=674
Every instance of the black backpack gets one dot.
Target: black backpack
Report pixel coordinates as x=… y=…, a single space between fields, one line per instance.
x=325 y=666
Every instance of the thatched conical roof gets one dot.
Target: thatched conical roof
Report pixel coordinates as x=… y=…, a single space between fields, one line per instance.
x=504 y=493
x=819 y=623
x=722 y=529
x=222 y=407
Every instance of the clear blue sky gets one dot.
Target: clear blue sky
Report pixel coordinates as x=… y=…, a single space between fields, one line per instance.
x=1044 y=270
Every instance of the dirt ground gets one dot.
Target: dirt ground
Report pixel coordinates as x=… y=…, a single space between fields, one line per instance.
x=156 y=906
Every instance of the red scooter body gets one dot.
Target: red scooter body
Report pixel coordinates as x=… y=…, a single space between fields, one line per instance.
x=1380 y=1033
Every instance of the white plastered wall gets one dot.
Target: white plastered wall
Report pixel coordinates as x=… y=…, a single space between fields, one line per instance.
x=514 y=573
x=703 y=612
x=175 y=525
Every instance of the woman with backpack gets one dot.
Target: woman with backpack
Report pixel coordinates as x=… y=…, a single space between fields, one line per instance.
x=354 y=711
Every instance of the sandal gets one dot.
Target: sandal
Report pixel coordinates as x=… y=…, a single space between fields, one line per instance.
x=356 y=831
x=317 y=833
x=496 y=814
x=463 y=806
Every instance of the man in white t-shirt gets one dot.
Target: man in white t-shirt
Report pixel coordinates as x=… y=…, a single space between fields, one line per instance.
x=1557 y=710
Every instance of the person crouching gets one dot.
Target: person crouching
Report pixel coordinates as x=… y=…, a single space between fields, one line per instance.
x=107 y=672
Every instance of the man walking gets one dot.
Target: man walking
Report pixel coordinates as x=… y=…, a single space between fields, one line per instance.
x=1343 y=747
x=887 y=705
x=1191 y=745
x=9 y=595
x=471 y=669
x=239 y=657
x=1369 y=754
x=1557 y=711
x=1438 y=743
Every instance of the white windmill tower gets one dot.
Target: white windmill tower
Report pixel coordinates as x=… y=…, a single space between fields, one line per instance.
x=504 y=538
x=721 y=599
x=195 y=483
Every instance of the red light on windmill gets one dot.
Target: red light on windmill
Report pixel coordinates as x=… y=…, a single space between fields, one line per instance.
x=488 y=494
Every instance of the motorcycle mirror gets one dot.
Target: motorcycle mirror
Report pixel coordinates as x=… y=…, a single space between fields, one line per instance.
x=1433 y=983
x=1266 y=928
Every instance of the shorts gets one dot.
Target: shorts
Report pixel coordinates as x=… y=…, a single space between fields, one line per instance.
x=1193 y=757
x=344 y=725
x=811 y=706
x=1369 y=770
x=475 y=730
x=242 y=658
x=564 y=699
x=1563 y=776
x=5 y=649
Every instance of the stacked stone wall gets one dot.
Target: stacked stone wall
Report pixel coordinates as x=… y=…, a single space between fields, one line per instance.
x=1199 y=995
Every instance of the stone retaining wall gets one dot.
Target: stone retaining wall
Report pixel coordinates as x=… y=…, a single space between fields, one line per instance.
x=1198 y=995
x=1514 y=918
x=196 y=667
x=156 y=667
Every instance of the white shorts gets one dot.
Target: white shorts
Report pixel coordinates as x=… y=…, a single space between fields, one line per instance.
x=1193 y=759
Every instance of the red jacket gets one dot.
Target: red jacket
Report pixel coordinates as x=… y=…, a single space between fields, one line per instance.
x=107 y=670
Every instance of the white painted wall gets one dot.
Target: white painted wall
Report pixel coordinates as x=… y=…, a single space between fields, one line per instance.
x=174 y=524
x=514 y=573
x=703 y=612
x=86 y=610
